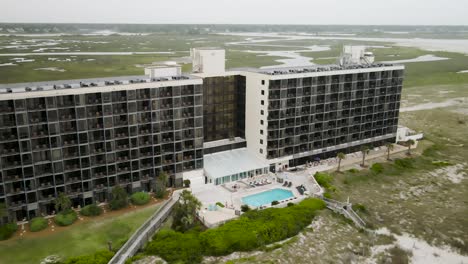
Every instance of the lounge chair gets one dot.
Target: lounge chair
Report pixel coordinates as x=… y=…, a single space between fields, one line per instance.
x=285 y=183
x=290 y=184
x=300 y=190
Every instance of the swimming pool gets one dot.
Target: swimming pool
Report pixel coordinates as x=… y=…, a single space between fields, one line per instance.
x=265 y=198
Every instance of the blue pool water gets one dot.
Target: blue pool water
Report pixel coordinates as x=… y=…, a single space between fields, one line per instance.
x=265 y=198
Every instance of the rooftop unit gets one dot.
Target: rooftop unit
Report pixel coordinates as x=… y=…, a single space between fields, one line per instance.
x=208 y=60
x=158 y=71
x=356 y=55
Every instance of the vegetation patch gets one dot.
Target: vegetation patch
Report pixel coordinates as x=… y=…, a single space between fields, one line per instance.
x=399 y=255
x=65 y=218
x=245 y=208
x=100 y=257
x=406 y=163
x=254 y=229
x=140 y=198
x=91 y=210
x=7 y=230
x=160 y=185
x=359 y=208
x=37 y=224
x=119 y=198
x=441 y=163
x=220 y=204
x=377 y=168
x=324 y=179
x=176 y=247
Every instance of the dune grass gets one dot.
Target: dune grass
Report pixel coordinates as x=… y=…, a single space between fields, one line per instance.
x=78 y=239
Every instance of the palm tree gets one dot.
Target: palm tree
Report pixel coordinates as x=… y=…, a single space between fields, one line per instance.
x=340 y=156
x=364 y=150
x=389 y=147
x=410 y=143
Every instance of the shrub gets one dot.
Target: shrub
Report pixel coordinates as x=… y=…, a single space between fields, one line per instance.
x=119 y=198
x=7 y=230
x=245 y=208
x=37 y=224
x=176 y=247
x=274 y=203
x=160 y=185
x=323 y=179
x=220 y=204
x=187 y=183
x=91 y=210
x=100 y=257
x=404 y=163
x=377 y=168
x=359 y=208
x=290 y=204
x=259 y=227
x=252 y=230
x=327 y=195
x=184 y=214
x=140 y=198
x=66 y=218
x=433 y=151
x=353 y=170
x=62 y=203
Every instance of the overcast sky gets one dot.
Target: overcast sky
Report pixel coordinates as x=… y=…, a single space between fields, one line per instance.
x=375 y=12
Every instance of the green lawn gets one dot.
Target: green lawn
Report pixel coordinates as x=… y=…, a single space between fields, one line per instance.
x=79 y=239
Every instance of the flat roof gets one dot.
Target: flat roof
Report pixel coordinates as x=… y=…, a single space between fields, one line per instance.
x=231 y=162
x=84 y=83
x=222 y=142
x=316 y=68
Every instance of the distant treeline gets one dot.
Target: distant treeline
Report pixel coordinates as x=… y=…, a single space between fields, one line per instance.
x=18 y=28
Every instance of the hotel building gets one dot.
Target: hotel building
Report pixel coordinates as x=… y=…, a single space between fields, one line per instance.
x=212 y=126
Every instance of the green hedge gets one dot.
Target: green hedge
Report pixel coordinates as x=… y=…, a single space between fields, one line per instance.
x=176 y=247
x=140 y=198
x=7 y=230
x=250 y=231
x=323 y=179
x=37 y=224
x=66 y=218
x=91 y=210
x=404 y=163
x=100 y=257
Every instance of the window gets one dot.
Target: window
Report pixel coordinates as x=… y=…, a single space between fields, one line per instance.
x=263 y=82
x=261 y=122
x=262 y=112
x=261 y=141
x=261 y=151
x=262 y=102
x=263 y=92
x=261 y=131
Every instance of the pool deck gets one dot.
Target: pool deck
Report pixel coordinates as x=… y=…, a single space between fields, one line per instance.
x=209 y=194
x=232 y=198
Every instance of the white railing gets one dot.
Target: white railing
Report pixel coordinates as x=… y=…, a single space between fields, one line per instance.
x=144 y=233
